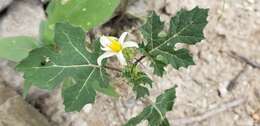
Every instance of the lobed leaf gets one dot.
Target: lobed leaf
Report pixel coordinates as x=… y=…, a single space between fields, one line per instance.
x=186 y=27
x=16 y=48
x=155 y=113
x=49 y=66
x=139 y=80
x=46 y=33
x=84 y=13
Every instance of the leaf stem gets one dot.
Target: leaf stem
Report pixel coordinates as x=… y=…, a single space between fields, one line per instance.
x=118 y=70
x=113 y=68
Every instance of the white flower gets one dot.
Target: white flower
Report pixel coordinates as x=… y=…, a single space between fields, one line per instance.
x=114 y=47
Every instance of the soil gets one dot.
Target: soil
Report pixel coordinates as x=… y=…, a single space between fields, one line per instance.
x=222 y=89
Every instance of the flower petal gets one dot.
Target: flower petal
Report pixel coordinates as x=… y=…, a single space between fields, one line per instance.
x=106 y=49
x=103 y=56
x=104 y=41
x=130 y=44
x=122 y=37
x=121 y=58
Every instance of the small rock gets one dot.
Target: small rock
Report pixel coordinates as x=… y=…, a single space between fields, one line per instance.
x=256 y=116
x=130 y=102
x=5 y=93
x=87 y=108
x=23 y=18
x=10 y=76
x=251 y=1
x=4 y=4
x=223 y=88
x=15 y=111
x=45 y=1
x=138 y=9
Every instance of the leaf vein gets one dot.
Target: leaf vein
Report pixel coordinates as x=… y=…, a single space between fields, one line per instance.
x=75 y=48
x=58 y=74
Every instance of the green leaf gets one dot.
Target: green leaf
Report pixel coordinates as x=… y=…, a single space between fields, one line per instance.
x=155 y=113
x=108 y=90
x=50 y=7
x=46 y=33
x=129 y=53
x=16 y=48
x=84 y=13
x=26 y=88
x=139 y=80
x=48 y=66
x=186 y=27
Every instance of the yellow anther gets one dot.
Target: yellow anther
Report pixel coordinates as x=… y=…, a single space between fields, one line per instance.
x=115 y=45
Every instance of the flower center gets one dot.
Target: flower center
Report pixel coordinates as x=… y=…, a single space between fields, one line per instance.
x=115 y=45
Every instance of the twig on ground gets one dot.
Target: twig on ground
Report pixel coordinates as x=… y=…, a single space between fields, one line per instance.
x=208 y=114
x=233 y=82
x=139 y=60
x=244 y=59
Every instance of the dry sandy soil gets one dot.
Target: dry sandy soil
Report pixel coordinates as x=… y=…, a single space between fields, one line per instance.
x=222 y=89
